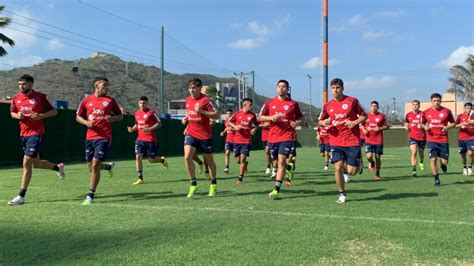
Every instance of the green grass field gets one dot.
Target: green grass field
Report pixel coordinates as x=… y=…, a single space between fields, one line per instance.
x=400 y=220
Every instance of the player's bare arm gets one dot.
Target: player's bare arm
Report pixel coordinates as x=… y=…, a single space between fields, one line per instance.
x=39 y=116
x=84 y=122
x=131 y=129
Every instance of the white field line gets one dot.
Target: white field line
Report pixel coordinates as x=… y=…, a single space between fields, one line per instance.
x=252 y=211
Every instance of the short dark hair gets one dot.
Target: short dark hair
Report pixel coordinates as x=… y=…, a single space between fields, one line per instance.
x=195 y=81
x=27 y=77
x=415 y=101
x=99 y=79
x=247 y=100
x=143 y=98
x=337 y=81
x=377 y=103
x=284 y=81
x=468 y=104
x=229 y=110
x=435 y=95
x=289 y=95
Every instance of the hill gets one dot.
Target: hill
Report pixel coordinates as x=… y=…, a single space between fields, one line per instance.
x=129 y=80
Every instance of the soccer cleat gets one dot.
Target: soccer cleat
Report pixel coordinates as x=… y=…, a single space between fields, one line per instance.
x=413 y=173
x=139 y=181
x=377 y=178
x=60 y=172
x=164 y=162
x=469 y=171
x=342 y=199
x=347 y=178
x=273 y=195
x=268 y=171
x=274 y=175
x=226 y=170
x=371 y=168
x=464 y=171
x=290 y=172
x=191 y=191
x=326 y=168
x=111 y=171
x=200 y=168
x=444 y=168
x=87 y=201
x=18 y=200
x=437 y=183
x=212 y=190
x=422 y=166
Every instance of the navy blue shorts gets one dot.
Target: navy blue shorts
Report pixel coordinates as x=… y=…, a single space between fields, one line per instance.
x=97 y=148
x=293 y=148
x=374 y=148
x=31 y=145
x=229 y=146
x=324 y=148
x=466 y=145
x=420 y=143
x=436 y=149
x=146 y=147
x=264 y=144
x=204 y=146
x=282 y=148
x=241 y=149
x=349 y=154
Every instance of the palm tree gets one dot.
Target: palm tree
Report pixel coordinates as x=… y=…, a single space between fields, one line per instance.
x=462 y=79
x=3 y=38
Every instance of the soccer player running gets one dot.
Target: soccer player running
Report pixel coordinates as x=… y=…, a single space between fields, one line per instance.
x=466 y=138
x=438 y=120
x=322 y=136
x=97 y=112
x=373 y=130
x=31 y=107
x=342 y=115
x=146 y=122
x=416 y=135
x=244 y=122
x=285 y=115
x=199 y=110
x=229 y=139
x=265 y=126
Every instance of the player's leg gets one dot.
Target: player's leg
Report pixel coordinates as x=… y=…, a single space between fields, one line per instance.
x=421 y=154
x=378 y=161
x=370 y=157
x=434 y=153
x=228 y=150
x=209 y=159
x=189 y=154
x=268 y=159
x=462 y=155
x=242 y=166
x=413 y=152
x=152 y=149
x=280 y=152
x=339 y=177
x=199 y=162
x=444 y=156
x=469 y=161
x=139 y=150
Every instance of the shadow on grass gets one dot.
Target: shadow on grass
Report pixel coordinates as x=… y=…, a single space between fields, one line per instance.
x=288 y=193
x=397 y=196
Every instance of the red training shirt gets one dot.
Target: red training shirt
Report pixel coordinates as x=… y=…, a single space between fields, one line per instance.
x=435 y=121
x=465 y=132
x=414 y=120
x=35 y=102
x=288 y=111
x=146 y=119
x=246 y=120
x=375 y=120
x=199 y=125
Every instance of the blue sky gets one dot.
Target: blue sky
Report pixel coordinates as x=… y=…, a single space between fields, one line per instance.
x=381 y=49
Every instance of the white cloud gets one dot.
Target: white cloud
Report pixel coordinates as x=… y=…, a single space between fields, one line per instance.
x=247 y=44
x=371 y=82
x=352 y=22
x=315 y=62
x=262 y=32
x=55 y=45
x=373 y=35
x=22 y=40
x=21 y=60
x=390 y=13
x=457 y=57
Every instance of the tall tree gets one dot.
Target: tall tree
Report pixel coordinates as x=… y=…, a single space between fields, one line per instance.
x=462 y=79
x=4 y=21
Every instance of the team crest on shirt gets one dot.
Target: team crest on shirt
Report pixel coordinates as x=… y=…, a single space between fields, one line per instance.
x=105 y=104
x=344 y=106
x=145 y=116
x=286 y=107
x=90 y=104
x=417 y=116
x=249 y=118
x=32 y=101
x=441 y=115
x=377 y=119
x=331 y=110
x=19 y=101
x=274 y=107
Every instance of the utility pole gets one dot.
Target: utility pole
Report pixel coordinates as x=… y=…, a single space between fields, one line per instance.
x=242 y=76
x=394 y=109
x=253 y=87
x=75 y=69
x=162 y=72
x=310 y=101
